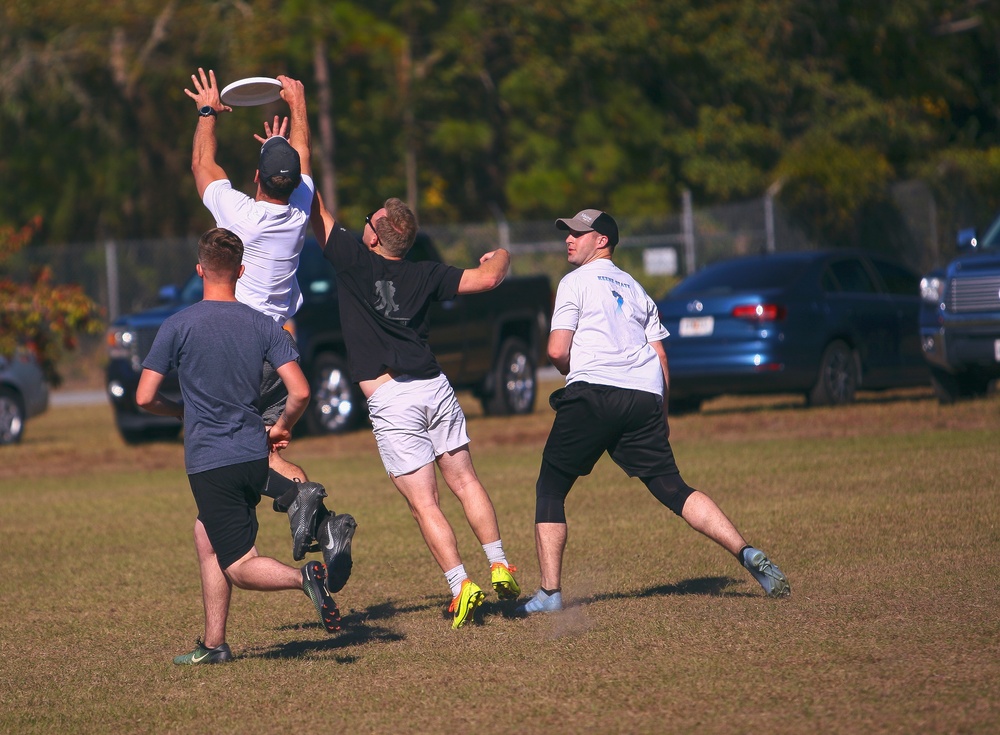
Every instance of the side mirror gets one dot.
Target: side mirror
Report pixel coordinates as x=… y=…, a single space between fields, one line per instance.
x=967 y=240
x=169 y=294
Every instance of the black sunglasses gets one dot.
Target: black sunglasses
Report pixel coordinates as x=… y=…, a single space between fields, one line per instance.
x=368 y=219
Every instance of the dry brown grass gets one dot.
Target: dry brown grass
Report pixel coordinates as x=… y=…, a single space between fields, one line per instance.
x=885 y=516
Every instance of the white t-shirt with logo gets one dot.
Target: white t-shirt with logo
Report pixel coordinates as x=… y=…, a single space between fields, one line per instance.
x=272 y=236
x=613 y=320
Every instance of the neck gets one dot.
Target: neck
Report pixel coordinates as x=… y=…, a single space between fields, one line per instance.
x=219 y=291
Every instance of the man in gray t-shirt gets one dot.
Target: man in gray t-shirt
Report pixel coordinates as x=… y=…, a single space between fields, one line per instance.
x=218 y=347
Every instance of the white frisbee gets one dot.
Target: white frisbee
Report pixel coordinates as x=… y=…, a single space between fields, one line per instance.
x=251 y=91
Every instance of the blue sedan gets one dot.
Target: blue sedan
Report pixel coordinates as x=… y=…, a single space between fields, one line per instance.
x=819 y=323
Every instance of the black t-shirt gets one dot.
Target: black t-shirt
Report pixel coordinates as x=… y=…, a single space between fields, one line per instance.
x=384 y=305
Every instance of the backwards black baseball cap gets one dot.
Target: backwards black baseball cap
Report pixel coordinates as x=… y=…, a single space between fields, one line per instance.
x=592 y=220
x=278 y=158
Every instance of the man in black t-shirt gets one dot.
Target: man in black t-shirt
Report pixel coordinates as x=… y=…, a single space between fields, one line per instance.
x=384 y=300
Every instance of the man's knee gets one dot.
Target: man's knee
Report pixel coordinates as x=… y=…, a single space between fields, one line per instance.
x=551 y=489
x=671 y=490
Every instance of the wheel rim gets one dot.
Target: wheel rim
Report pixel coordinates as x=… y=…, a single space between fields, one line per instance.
x=519 y=382
x=840 y=377
x=11 y=422
x=333 y=399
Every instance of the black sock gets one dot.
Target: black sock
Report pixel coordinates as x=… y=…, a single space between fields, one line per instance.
x=742 y=552
x=551 y=592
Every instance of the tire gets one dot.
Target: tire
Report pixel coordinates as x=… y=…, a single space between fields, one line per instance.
x=950 y=388
x=837 y=382
x=515 y=380
x=336 y=405
x=152 y=434
x=11 y=417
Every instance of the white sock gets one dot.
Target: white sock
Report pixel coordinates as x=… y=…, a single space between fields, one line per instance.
x=455 y=577
x=494 y=553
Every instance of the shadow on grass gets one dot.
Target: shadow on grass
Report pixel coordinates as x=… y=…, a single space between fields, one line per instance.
x=792 y=402
x=353 y=632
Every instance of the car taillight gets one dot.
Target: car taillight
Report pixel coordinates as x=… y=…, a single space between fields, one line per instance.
x=759 y=312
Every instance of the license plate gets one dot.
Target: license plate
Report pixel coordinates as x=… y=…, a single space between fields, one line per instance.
x=996 y=349
x=702 y=326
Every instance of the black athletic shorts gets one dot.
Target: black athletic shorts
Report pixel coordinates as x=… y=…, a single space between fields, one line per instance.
x=227 y=500
x=273 y=393
x=593 y=419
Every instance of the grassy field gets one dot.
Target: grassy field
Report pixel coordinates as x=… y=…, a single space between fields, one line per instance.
x=885 y=515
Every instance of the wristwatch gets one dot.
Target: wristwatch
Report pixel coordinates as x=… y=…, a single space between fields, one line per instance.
x=207 y=111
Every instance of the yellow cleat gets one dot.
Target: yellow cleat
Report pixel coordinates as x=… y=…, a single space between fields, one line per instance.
x=503 y=580
x=465 y=603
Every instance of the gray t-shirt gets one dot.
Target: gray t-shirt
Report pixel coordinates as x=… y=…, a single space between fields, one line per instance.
x=218 y=349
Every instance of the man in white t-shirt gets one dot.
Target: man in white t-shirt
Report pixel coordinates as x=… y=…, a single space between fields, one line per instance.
x=272 y=225
x=606 y=338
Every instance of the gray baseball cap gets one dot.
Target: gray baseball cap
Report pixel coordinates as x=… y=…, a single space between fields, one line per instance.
x=592 y=220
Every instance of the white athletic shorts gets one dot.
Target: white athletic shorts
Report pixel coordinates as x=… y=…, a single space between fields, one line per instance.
x=415 y=421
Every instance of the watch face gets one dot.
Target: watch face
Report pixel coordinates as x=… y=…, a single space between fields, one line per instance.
x=206 y=111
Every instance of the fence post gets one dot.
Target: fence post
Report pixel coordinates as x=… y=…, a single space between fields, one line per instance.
x=111 y=264
x=688 y=225
x=503 y=226
x=769 y=220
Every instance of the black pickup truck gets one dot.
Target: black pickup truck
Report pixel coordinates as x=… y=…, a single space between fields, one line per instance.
x=488 y=343
x=960 y=317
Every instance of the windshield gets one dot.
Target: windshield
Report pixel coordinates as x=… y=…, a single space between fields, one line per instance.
x=752 y=274
x=991 y=240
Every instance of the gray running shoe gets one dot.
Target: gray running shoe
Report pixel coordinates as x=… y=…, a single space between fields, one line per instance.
x=314 y=585
x=201 y=655
x=302 y=517
x=772 y=579
x=334 y=536
x=542 y=602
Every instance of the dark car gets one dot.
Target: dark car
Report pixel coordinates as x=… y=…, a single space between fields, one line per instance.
x=488 y=343
x=960 y=318
x=820 y=323
x=23 y=394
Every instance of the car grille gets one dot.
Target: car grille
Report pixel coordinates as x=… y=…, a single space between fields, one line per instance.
x=144 y=340
x=970 y=294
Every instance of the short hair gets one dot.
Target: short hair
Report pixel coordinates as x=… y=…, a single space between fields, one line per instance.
x=221 y=252
x=398 y=229
x=279 y=187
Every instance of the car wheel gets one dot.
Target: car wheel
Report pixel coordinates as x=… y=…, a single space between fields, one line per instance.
x=336 y=405
x=515 y=383
x=950 y=388
x=151 y=434
x=837 y=381
x=11 y=417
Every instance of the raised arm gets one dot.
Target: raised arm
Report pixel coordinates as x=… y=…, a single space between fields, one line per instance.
x=492 y=270
x=203 y=163
x=294 y=93
x=321 y=220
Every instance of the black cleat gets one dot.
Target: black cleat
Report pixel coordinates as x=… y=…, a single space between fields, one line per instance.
x=334 y=535
x=302 y=517
x=314 y=585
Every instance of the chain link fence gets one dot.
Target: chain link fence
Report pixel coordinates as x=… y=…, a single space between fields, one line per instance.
x=126 y=276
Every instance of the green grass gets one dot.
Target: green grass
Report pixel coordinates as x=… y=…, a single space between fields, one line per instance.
x=885 y=516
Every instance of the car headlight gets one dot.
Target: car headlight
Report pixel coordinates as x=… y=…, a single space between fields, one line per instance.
x=931 y=289
x=121 y=343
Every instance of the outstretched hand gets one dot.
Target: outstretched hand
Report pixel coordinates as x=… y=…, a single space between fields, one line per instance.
x=279 y=127
x=206 y=91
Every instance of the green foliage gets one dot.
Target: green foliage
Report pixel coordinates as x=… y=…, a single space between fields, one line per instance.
x=528 y=106
x=38 y=315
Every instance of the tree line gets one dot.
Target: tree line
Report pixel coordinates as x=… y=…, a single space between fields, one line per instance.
x=529 y=108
